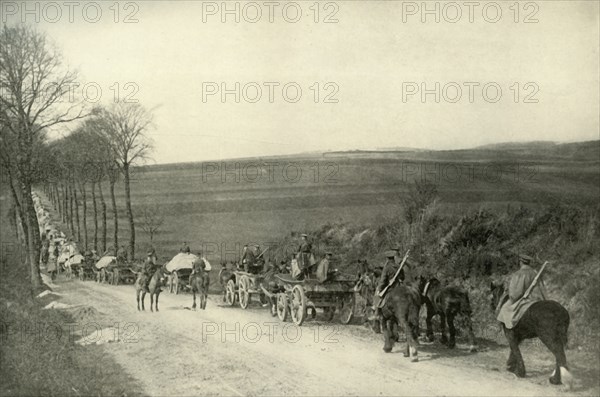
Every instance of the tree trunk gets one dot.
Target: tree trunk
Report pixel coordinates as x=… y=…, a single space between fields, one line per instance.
x=65 y=204
x=84 y=208
x=103 y=205
x=129 y=212
x=74 y=190
x=18 y=207
x=57 y=195
x=115 y=215
x=94 y=206
x=34 y=243
x=71 y=226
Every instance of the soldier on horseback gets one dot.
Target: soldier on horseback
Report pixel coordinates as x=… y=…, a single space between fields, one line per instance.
x=149 y=267
x=516 y=303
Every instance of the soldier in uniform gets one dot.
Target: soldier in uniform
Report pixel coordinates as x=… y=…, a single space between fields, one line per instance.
x=148 y=269
x=248 y=258
x=515 y=306
x=407 y=273
x=122 y=255
x=323 y=268
x=185 y=248
x=304 y=253
x=198 y=265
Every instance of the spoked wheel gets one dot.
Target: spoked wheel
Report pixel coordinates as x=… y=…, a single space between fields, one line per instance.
x=298 y=305
x=282 y=306
x=244 y=292
x=329 y=313
x=170 y=281
x=230 y=293
x=347 y=309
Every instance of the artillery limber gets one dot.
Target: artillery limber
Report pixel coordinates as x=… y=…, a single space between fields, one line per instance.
x=241 y=286
x=296 y=297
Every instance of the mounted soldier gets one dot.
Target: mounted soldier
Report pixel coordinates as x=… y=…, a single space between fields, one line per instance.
x=149 y=267
x=515 y=303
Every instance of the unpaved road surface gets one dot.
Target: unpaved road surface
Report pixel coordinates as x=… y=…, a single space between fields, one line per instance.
x=229 y=351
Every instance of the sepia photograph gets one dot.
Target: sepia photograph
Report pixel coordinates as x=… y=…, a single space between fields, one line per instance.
x=300 y=198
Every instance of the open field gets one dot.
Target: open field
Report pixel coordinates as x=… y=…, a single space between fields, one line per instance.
x=229 y=203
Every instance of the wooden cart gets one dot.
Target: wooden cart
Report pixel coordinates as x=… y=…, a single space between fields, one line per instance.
x=241 y=286
x=298 y=296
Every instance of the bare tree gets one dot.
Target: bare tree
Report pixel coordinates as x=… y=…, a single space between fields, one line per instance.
x=152 y=220
x=33 y=85
x=125 y=125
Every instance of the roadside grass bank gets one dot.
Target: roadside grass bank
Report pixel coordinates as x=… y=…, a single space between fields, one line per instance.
x=38 y=353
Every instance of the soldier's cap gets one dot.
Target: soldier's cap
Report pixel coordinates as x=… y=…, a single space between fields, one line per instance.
x=526 y=259
x=282 y=262
x=304 y=235
x=397 y=249
x=328 y=253
x=390 y=254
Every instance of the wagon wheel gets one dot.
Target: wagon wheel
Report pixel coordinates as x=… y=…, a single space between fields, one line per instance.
x=170 y=283
x=282 y=306
x=347 y=309
x=244 y=292
x=329 y=313
x=176 y=283
x=230 y=293
x=298 y=305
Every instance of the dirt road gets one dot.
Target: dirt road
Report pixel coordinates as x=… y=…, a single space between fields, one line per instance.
x=230 y=351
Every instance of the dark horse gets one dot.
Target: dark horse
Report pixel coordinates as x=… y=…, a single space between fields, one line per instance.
x=199 y=283
x=401 y=308
x=157 y=280
x=447 y=302
x=547 y=320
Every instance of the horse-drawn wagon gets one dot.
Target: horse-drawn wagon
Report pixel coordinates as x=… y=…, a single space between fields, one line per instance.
x=180 y=268
x=241 y=286
x=296 y=297
x=103 y=268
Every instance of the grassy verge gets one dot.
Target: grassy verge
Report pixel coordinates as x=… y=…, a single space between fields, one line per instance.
x=38 y=355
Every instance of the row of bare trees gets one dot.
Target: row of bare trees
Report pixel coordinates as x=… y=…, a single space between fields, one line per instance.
x=36 y=97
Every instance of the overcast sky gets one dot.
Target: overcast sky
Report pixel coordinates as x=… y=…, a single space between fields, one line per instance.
x=371 y=58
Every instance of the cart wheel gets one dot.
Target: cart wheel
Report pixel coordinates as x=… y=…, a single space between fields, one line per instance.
x=313 y=313
x=298 y=305
x=176 y=283
x=230 y=293
x=282 y=306
x=329 y=313
x=170 y=283
x=243 y=292
x=347 y=310
x=116 y=277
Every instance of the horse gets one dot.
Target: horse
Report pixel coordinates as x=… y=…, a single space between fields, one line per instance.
x=157 y=280
x=199 y=283
x=547 y=320
x=447 y=302
x=401 y=308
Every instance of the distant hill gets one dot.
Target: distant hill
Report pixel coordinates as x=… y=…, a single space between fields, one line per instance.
x=587 y=150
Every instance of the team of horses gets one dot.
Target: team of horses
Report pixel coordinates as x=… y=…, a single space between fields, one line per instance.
x=547 y=320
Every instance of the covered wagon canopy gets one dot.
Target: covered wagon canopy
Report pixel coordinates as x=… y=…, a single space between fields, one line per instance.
x=184 y=261
x=105 y=261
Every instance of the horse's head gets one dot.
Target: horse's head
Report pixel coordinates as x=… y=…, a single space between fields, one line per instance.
x=496 y=293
